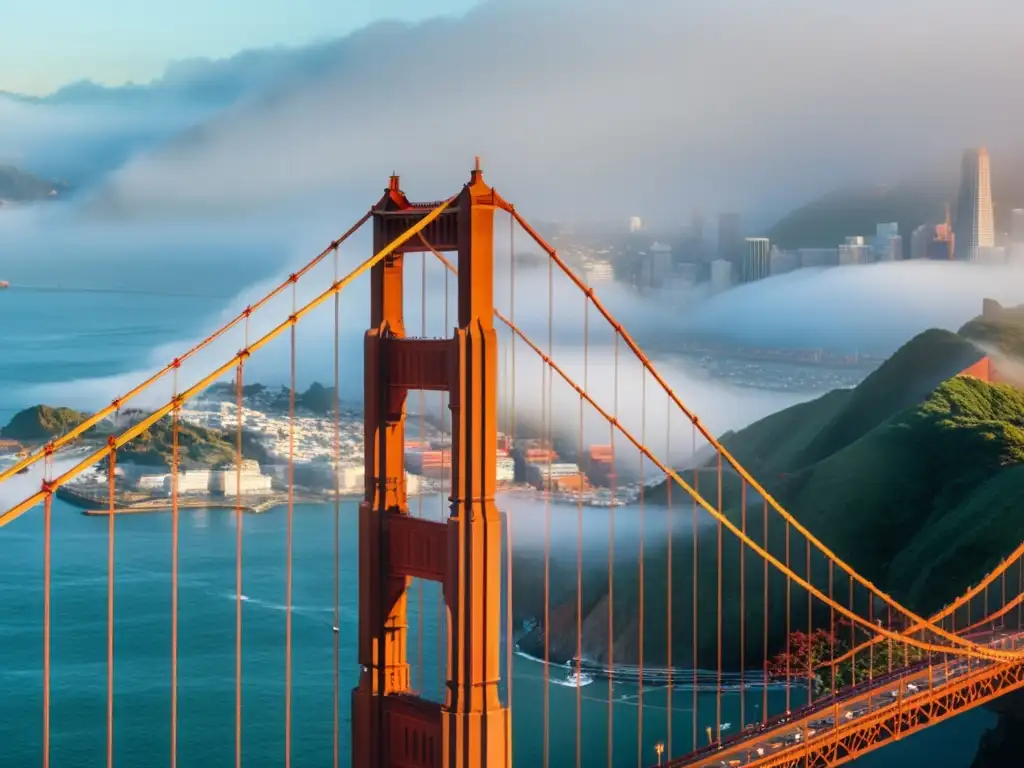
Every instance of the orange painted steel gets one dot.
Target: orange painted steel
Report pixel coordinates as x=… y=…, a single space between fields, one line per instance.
x=965 y=647
x=175 y=521
x=881 y=726
x=336 y=684
x=111 y=514
x=713 y=441
x=389 y=722
x=141 y=426
x=47 y=601
x=945 y=613
x=239 y=390
x=76 y=432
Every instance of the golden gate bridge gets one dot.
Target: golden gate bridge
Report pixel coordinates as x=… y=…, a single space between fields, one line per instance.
x=859 y=670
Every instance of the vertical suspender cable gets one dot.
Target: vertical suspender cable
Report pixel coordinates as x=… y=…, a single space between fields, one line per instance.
x=579 y=542
x=718 y=692
x=640 y=624
x=832 y=626
x=441 y=614
x=549 y=447
x=889 y=626
x=579 y=592
x=175 y=423
x=1020 y=591
x=643 y=440
x=853 y=635
x=789 y=644
x=668 y=587
x=112 y=480
x=764 y=691
x=337 y=515
x=696 y=590
x=238 y=559
x=611 y=560
x=288 y=553
x=420 y=620
x=743 y=602
x=47 y=517
x=510 y=640
x=810 y=628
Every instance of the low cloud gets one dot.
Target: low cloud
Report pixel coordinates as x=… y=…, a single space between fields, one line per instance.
x=590 y=110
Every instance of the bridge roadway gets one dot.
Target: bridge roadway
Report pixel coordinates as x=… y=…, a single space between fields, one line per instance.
x=758 y=741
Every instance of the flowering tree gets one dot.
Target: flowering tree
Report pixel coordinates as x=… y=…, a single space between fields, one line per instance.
x=807 y=655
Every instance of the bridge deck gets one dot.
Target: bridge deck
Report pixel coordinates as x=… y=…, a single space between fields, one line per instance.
x=867 y=719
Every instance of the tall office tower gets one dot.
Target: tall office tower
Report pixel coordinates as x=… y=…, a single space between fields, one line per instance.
x=974 y=227
x=730 y=239
x=756 y=260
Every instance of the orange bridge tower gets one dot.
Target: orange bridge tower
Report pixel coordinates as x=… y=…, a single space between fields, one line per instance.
x=391 y=726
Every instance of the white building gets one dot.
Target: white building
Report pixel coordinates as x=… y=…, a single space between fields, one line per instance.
x=229 y=481
x=192 y=481
x=152 y=482
x=635 y=224
x=854 y=251
x=721 y=275
x=599 y=272
x=543 y=474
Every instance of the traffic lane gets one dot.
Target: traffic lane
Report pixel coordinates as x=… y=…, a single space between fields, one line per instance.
x=739 y=754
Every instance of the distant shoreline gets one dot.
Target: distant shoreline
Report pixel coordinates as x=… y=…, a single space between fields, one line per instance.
x=96 y=506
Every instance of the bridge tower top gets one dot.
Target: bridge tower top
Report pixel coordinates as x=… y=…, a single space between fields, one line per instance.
x=471 y=727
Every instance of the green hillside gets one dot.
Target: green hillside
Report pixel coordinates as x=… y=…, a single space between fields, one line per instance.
x=910 y=477
x=198 y=447
x=41 y=423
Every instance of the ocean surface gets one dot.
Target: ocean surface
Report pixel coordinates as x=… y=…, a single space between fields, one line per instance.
x=71 y=337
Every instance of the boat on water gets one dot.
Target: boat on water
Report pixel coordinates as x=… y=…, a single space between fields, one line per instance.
x=580 y=679
x=4 y=284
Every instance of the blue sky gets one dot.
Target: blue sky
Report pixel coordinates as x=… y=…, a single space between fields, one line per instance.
x=47 y=43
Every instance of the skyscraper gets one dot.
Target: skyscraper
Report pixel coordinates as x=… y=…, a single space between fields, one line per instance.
x=756 y=260
x=974 y=227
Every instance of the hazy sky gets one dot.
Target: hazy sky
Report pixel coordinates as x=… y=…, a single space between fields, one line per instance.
x=44 y=45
